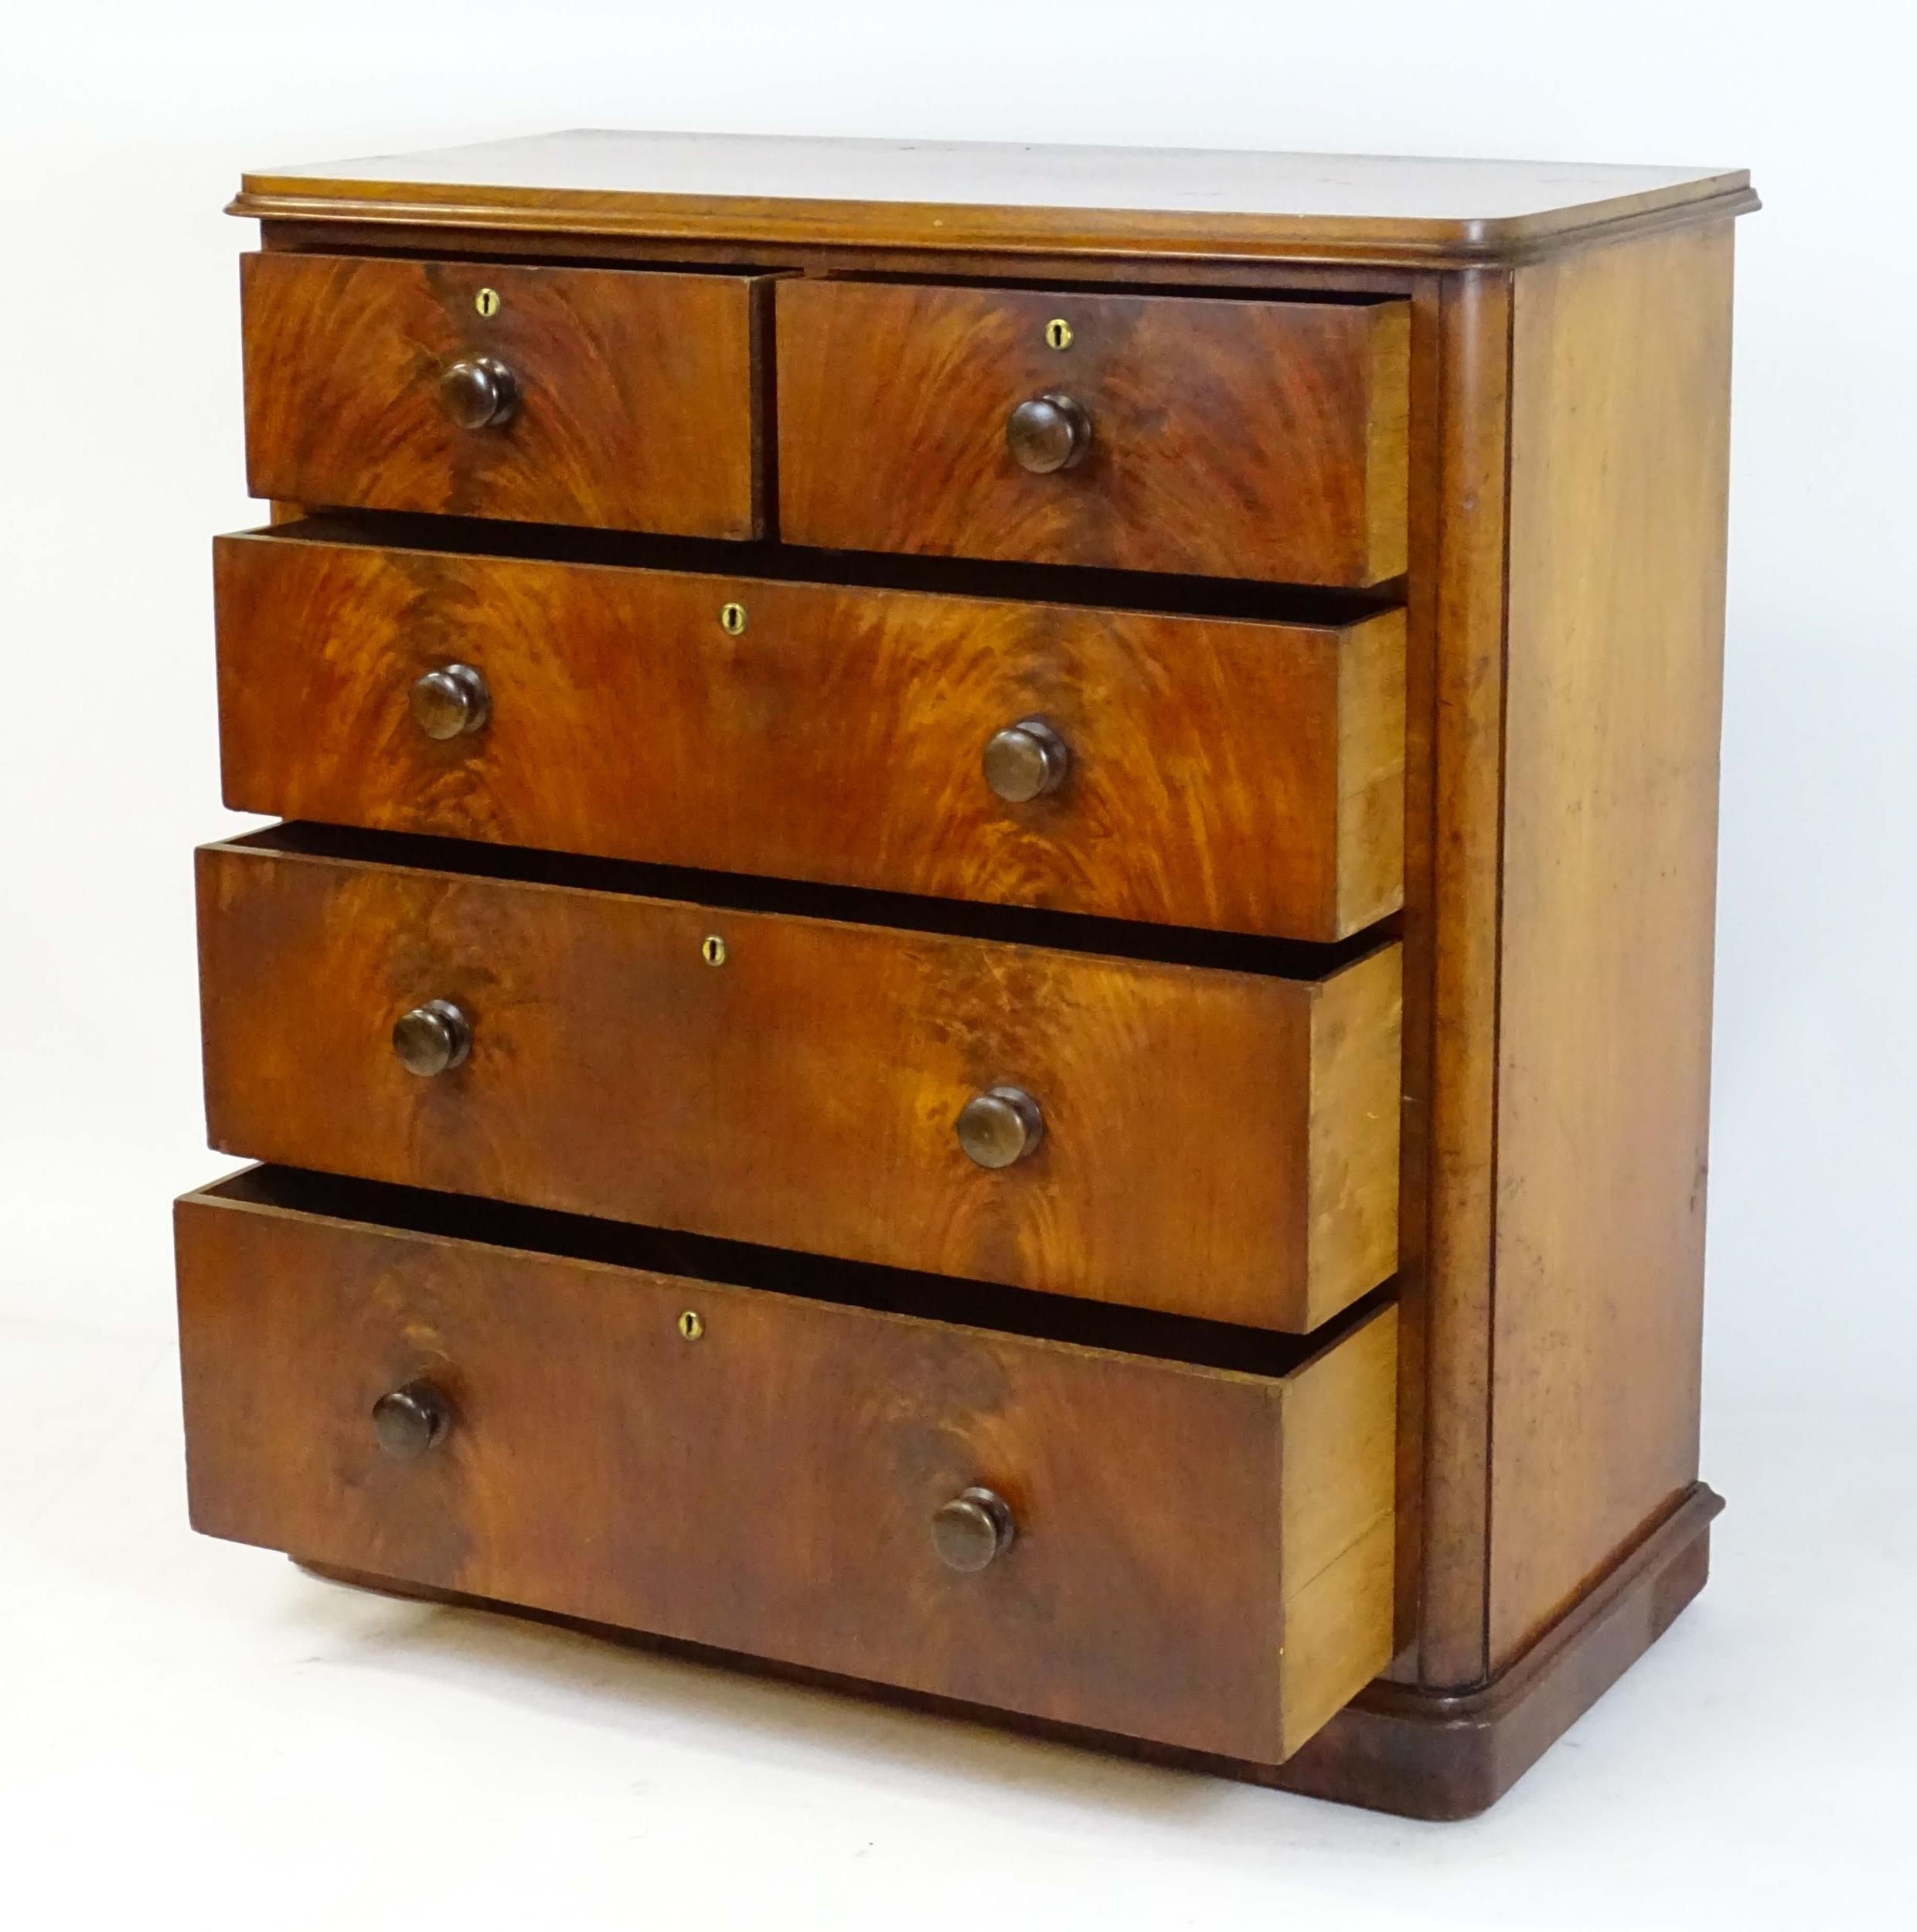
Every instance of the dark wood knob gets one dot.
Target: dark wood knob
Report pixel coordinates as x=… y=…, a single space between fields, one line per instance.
x=972 y=1529
x=999 y=1126
x=480 y=393
x=409 y=1421
x=451 y=701
x=1050 y=432
x=432 y=1039
x=1026 y=760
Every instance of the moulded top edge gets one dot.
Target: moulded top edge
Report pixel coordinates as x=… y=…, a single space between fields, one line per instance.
x=890 y=195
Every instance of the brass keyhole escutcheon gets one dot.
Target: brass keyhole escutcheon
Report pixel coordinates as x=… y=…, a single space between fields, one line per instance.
x=713 y=951
x=487 y=302
x=692 y=1325
x=732 y=618
x=1058 y=333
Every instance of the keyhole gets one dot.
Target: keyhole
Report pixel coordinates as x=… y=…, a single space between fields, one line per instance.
x=713 y=951
x=1058 y=333
x=732 y=619
x=692 y=1324
x=487 y=302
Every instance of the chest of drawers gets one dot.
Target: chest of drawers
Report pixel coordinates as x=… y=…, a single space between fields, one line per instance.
x=988 y=973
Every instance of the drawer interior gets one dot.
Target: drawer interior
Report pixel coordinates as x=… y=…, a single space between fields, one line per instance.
x=1239 y=599
x=809 y=1277
x=1299 y=960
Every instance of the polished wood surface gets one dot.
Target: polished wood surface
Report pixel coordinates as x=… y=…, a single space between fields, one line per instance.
x=1436 y=1755
x=1196 y=1560
x=1242 y=775
x=1018 y=197
x=639 y=404
x=893 y=401
x=1458 y=808
x=1216 y=1142
x=1492 y=772
x=1451 y=1754
x=1620 y=448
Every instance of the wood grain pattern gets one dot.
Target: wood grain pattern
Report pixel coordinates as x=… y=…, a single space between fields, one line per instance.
x=804 y=1094
x=1440 y=1755
x=1619 y=462
x=1356 y=1058
x=639 y=392
x=1109 y=204
x=1236 y=438
x=1416 y=938
x=1520 y=761
x=1462 y=790
x=1395 y=1748
x=1246 y=776
x=1169 y=1518
x=311 y=231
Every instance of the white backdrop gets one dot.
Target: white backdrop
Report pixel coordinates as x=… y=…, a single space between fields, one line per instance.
x=123 y=128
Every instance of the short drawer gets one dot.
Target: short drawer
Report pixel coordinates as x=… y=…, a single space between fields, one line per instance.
x=1212 y=1141
x=623 y=399
x=1191 y=770
x=608 y=1425
x=1214 y=437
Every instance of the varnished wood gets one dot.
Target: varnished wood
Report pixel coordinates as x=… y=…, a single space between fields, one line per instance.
x=894 y=399
x=1451 y=1754
x=639 y=403
x=1195 y=1557
x=1417 y=938
x=322 y=234
x=1620 y=446
x=1464 y=753
x=1246 y=775
x=1440 y=1756
x=1023 y=197
x=1216 y=1142
x=1523 y=745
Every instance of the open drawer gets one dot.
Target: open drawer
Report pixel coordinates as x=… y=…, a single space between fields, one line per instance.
x=1240 y=772
x=1196 y=434
x=616 y=398
x=1026 y=1506
x=717 y=1055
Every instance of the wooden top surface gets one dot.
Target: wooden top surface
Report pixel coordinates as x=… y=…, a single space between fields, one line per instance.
x=976 y=196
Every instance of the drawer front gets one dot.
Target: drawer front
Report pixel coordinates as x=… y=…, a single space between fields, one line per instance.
x=1246 y=776
x=1196 y=1555
x=629 y=399
x=1208 y=1142
x=1217 y=438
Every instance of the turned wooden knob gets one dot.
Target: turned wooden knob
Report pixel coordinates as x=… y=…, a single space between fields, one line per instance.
x=1026 y=760
x=479 y=393
x=999 y=1126
x=972 y=1529
x=1050 y=432
x=409 y=1421
x=432 y=1039
x=450 y=702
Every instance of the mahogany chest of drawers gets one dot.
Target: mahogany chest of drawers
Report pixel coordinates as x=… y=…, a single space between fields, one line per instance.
x=989 y=972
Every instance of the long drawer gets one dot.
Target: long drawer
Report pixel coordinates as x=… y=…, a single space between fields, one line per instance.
x=1191 y=770
x=619 y=399
x=1211 y=1141
x=559 y=1415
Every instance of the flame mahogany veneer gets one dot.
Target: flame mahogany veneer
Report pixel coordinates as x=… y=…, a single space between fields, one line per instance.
x=993 y=982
